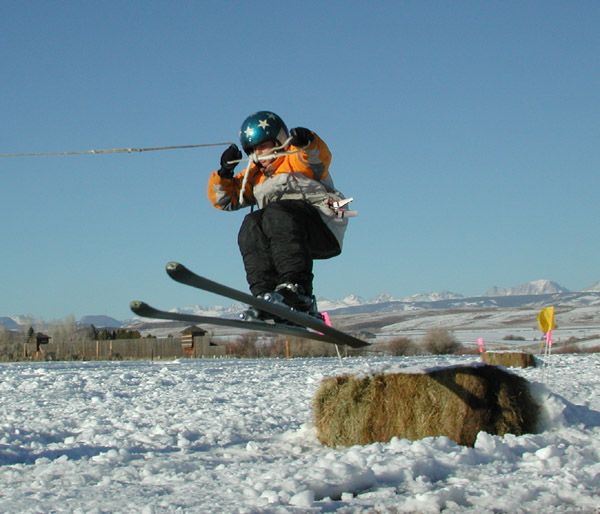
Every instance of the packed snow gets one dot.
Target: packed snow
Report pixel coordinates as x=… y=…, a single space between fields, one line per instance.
x=237 y=436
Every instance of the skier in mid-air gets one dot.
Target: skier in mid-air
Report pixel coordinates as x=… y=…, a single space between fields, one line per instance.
x=300 y=214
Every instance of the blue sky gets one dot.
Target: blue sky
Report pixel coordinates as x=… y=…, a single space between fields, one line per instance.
x=467 y=132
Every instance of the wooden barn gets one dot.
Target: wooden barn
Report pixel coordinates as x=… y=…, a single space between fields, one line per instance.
x=196 y=343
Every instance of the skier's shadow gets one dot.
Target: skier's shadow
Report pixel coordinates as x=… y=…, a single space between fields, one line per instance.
x=580 y=414
x=572 y=414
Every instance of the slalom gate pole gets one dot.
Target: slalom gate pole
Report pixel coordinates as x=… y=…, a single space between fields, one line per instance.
x=547 y=354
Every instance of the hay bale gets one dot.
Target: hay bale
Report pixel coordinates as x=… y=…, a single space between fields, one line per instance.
x=509 y=359
x=457 y=402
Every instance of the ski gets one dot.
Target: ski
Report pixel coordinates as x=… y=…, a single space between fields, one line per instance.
x=185 y=276
x=305 y=326
x=147 y=311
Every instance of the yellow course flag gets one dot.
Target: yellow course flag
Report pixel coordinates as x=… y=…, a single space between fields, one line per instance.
x=546 y=319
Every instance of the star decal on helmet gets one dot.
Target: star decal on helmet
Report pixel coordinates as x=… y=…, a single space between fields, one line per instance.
x=262 y=126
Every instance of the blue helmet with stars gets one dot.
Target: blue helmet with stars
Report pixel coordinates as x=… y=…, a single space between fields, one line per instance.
x=260 y=127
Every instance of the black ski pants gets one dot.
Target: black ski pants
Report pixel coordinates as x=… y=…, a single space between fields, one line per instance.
x=279 y=242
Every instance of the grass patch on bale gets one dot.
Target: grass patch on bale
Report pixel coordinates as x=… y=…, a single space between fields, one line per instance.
x=457 y=402
x=509 y=359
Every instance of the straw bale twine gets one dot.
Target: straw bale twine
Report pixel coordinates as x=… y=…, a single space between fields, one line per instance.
x=457 y=402
x=509 y=359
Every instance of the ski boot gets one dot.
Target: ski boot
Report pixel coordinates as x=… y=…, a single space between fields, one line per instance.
x=291 y=296
x=295 y=297
x=254 y=314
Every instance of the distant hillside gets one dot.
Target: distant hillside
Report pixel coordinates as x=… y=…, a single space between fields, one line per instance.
x=9 y=323
x=100 y=321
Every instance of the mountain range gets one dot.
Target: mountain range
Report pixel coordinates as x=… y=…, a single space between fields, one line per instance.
x=530 y=293
x=534 y=287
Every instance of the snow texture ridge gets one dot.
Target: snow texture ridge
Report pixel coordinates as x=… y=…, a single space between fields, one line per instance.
x=228 y=436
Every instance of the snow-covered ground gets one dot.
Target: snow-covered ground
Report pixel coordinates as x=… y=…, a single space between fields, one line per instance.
x=236 y=436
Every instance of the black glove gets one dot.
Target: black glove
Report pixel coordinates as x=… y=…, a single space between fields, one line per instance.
x=231 y=154
x=301 y=137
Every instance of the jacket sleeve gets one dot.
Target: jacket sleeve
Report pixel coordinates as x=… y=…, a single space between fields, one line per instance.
x=313 y=160
x=224 y=193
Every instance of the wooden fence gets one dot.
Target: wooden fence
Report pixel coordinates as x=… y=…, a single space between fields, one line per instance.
x=123 y=349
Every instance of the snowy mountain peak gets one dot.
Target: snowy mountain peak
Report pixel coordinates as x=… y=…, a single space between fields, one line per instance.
x=353 y=300
x=593 y=288
x=534 y=287
x=433 y=297
x=8 y=323
x=100 y=321
x=383 y=298
x=349 y=301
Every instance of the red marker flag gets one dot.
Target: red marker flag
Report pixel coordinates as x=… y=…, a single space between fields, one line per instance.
x=481 y=346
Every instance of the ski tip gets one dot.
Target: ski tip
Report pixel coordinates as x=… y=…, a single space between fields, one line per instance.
x=136 y=305
x=174 y=267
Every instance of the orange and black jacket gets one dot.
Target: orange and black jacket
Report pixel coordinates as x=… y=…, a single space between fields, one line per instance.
x=302 y=174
